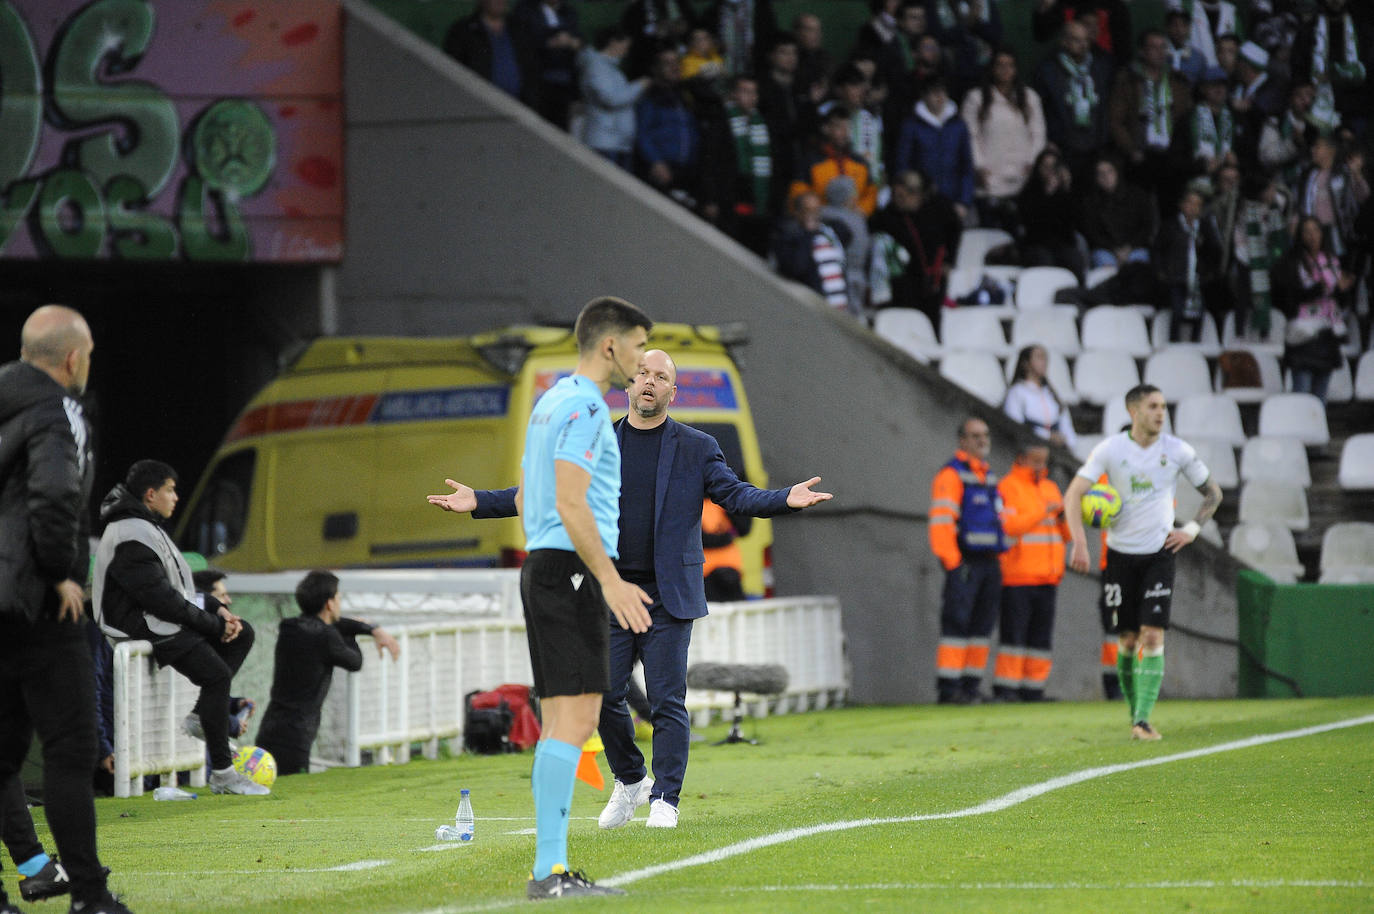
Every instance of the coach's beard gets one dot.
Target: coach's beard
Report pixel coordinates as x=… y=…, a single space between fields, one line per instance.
x=652 y=411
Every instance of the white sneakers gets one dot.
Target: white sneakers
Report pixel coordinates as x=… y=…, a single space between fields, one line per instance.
x=662 y=814
x=625 y=799
x=228 y=780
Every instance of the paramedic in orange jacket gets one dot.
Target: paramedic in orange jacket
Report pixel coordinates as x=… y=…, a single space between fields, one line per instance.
x=724 y=563
x=966 y=536
x=1032 y=567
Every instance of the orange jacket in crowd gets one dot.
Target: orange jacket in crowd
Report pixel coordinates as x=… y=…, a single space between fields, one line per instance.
x=822 y=164
x=715 y=521
x=946 y=504
x=1033 y=517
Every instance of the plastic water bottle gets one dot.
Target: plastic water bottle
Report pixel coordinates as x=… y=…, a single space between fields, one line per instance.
x=463 y=820
x=464 y=824
x=172 y=793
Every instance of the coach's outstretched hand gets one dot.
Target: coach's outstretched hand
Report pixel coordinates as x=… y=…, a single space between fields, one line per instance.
x=460 y=501
x=801 y=495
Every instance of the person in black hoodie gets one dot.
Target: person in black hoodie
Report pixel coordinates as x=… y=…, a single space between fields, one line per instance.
x=308 y=648
x=143 y=589
x=46 y=679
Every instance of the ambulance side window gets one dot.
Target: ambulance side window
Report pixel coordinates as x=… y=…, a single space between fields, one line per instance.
x=219 y=517
x=727 y=436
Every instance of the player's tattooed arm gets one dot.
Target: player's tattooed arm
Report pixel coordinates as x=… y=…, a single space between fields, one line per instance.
x=1211 y=500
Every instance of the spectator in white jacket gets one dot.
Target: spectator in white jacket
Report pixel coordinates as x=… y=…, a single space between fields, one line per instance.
x=1007 y=127
x=609 y=97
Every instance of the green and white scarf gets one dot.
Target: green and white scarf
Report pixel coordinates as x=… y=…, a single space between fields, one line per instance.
x=1081 y=96
x=1348 y=69
x=1156 y=107
x=1213 y=133
x=1265 y=239
x=1192 y=281
x=753 y=152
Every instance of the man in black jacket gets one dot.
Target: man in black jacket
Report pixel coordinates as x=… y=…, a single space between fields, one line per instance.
x=144 y=589
x=46 y=683
x=308 y=648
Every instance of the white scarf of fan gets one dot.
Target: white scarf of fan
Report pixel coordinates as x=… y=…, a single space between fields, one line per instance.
x=1349 y=68
x=1082 y=93
x=1213 y=134
x=1156 y=107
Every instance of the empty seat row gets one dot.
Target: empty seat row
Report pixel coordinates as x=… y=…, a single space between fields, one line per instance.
x=1347 y=551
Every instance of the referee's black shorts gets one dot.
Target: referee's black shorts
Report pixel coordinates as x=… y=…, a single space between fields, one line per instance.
x=567 y=624
x=1138 y=589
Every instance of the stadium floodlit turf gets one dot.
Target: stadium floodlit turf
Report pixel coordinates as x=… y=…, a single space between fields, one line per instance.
x=1281 y=826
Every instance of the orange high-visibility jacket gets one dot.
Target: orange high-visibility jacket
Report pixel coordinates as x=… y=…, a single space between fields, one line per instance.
x=1033 y=517
x=946 y=505
x=714 y=519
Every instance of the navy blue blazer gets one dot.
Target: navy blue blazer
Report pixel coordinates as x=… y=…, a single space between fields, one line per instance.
x=690 y=467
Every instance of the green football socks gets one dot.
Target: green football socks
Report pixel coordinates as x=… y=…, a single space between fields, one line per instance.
x=1125 y=670
x=1149 y=674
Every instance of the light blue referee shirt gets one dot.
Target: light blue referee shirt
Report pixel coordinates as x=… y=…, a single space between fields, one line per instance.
x=570 y=422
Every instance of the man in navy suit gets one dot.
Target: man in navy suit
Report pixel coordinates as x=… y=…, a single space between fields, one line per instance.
x=666 y=470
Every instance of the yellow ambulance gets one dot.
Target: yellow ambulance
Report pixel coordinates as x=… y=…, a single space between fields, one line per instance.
x=329 y=465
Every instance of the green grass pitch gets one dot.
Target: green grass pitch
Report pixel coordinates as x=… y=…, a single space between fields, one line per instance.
x=1286 y=826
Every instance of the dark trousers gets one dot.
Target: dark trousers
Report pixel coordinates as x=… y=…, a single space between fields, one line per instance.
x=47 y=686
x=968 y=615
x=1027 y=630
x=16 y=825
x=210 y=664
x=663 y=648
x=290 y=759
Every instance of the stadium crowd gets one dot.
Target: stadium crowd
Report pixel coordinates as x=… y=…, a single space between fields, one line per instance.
x=1186 y=155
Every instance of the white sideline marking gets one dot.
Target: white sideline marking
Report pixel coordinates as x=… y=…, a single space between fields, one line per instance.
x=997 y=804
x=1060 y=886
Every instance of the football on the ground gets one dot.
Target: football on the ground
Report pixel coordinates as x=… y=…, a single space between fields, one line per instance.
x=257 y=764
x=1101 y=505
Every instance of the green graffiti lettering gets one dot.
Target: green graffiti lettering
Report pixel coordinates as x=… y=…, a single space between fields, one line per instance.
x=111 y=36
x=70 y=218
x=202 y=242
x=21 y=98
x=18 y=198
x=138 y=234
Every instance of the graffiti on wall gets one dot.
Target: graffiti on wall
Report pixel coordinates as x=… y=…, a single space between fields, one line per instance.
x=154 y=130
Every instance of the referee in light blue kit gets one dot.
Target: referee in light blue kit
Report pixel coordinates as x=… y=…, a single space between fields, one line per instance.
x=569 y=500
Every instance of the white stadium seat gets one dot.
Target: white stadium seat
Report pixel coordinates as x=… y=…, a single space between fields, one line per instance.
x=1364 y=377
x=1209 y=341
x=1340 y=387
x=1102 y=374
x=1348 y=544
x=1265 y=457
x=975 y=243
x=1210 y=416
x=1178 y=372
x=980 y=373
x=1219 y=456
x=1347 y=574
x=1300 y=416
x=909 y=330
x=1268 y=548
x=1035 y=286
x=1110 y=327
x=1270 y=342
x=1357 y=462
x=1083 y=445
x=972 y=328
x=963 y=280
x=1052 y=328
x=1274 y=501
